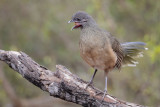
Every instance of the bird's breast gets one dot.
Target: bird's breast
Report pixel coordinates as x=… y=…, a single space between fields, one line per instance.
x=97 y=53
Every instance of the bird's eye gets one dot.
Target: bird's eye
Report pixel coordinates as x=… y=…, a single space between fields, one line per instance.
x=78 y=19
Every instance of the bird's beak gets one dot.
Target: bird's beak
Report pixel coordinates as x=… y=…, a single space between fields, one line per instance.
x=77 y=24
x=70 y=21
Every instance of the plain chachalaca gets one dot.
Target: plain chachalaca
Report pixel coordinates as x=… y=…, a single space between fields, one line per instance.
x=101 y=50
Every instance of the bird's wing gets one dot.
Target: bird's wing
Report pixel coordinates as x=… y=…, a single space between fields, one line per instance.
x=116 y=46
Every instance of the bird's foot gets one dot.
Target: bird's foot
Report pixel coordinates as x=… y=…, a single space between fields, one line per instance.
x=104 y=94
x=98 y=93
x=89 y=84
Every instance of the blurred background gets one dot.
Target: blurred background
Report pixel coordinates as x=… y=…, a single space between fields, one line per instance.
x=40 y=29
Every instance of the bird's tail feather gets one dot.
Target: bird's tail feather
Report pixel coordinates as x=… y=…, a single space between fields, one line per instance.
x=131 y=51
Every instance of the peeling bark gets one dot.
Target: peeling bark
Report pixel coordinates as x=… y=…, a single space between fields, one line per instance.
x=61 y=83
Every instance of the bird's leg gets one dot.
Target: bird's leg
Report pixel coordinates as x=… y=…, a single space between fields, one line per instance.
x=91 y=81
x=105 y=89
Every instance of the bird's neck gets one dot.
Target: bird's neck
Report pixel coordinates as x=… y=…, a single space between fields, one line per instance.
x=89 y=26
x=88 y=33
x=87 y=30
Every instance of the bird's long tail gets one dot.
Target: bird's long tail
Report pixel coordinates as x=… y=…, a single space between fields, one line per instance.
x=131 y=51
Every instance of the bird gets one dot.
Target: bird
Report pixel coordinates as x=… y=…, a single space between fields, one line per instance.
x=101 y=50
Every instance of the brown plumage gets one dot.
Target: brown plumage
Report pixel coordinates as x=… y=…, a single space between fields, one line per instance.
x=96 y=49
x=100 y=49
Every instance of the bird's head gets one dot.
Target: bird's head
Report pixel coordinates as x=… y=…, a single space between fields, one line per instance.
x=82 y=20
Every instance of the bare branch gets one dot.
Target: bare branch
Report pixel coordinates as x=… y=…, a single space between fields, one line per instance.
x=61 y=83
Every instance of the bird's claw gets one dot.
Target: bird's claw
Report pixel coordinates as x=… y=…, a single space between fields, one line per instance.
x=89 y=84
x=104 y=94
x=98 y=93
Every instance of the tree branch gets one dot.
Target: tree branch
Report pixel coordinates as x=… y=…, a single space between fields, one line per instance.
x=61 y=83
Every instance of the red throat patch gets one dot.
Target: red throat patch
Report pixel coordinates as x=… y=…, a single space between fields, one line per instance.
x=77 y=23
